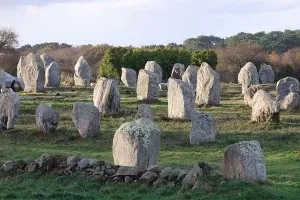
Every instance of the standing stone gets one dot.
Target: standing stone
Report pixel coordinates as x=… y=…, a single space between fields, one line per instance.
x=177 y=71
x=83 y=73
x=154 y=67
x=163 y=86
x=52 y=75
x=249 y=93
x=264 y=108
x=244 y=161
x=291 y=101
x=266 y=74
x=147 y=85
x=128 y=77
x=46 y=59
x=19 y=73
x=190 y=75
x=106 y=96
x=46 y=118
x=137 y=143
x=283 y=87
x=33 y=73
x=181 y=99
x=144 y=110
x=86 y=118
x=208 y=86
x=9 y=108
x=248 y=76
x=2 y=80
x=203 y=128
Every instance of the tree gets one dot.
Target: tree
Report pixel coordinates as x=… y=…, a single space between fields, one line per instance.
x=203 y=42
x=8 y=40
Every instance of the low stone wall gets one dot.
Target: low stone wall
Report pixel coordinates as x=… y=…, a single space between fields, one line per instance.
x=154 y=176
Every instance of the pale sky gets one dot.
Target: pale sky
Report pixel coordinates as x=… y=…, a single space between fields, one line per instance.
x=143 y=22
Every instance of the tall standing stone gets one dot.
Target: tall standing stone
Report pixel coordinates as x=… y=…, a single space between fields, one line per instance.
x=181 y=99
x=154 y=67
x=203 y=128
x=248 y=76
x=136 y=144
x=292 y=100
x=266 y=73
x=264 y=108
x=46 y=59
x=190 y=75
x=19 y=73
x=33 y=73
x=83 y=73
x=283 y=87
x=2 y=80
x=9 y=108
x=52 y=75
x=86 y=118
x=249 y=93
x=147 y=85
x=46 y=118
x=208 y=86
x=128 y=77
x=244 y=161
x=177 y=71
x=106 y=96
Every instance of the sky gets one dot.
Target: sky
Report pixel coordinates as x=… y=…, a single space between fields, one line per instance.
x=143 y=22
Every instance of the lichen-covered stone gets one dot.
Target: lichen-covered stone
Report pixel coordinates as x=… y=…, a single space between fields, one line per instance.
x=46 y=118
x=86 y=118
x=147 y=86
x=266 y=73
x=9 y=109
x=137 y=143
x=128 y=77
x=264 y=108
x=83 y=73
x=33 y=73
x=249 y=93
x=208 y=86
x=190 y=75
x=177 y=71
x=181 y=99
x=144 y=110
x=106 y=96
x=203 y=128
x=52 y=74
x=248 y=76
x=291 y=101
x=245 y=161
x=283 y=87
x=154 y=67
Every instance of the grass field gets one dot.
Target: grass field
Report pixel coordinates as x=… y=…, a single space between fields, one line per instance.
x=280 y=143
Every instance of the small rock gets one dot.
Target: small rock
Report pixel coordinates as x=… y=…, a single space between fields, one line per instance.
x=149 y=177
x=9 y=166
x=196 y=186
x=117 y=179
x=32 y=167
x=166 y=172
x=181 y=176
x=128 y=179
x=174 y=175
x=154 y=168
x=73 y=160
x=208 y=187
x=128 y=171
x=84 y=163
x=45 y=162
x=94 y=163
x=160 y=182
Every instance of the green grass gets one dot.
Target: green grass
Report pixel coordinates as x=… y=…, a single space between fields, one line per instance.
x=280 y=143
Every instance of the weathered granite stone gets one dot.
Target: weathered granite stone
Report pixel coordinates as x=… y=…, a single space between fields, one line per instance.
x=52 y=75
x=208 y=86
x=291 y=101
x=154 y=67
x=46 y=118
x=248 y=76
x=83 y=73
x=203 y=128
x=283 y=87
x=86 y=118
x=264 y=108
x=249 y=93
x=190 y=75
x=177 y=71
x=128 y=77
x=9 y=109
x=2 y=80
x=144 y=110
x=46 y=59
x=136 y=143
x=33 y=73
x=181 y=99
x=128 y=171
x=266 y=74
x=147 y=86
x=245 y=161
x=73 y=160
x=106 y=96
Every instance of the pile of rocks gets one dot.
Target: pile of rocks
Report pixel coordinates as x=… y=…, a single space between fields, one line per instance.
x=153 y=176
